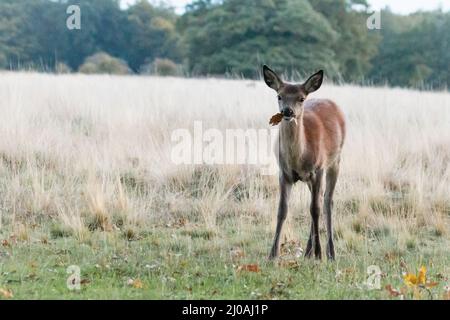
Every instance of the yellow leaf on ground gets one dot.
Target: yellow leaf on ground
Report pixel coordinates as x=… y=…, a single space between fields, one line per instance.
x=422 y=278
x=419 y=280
x=410 y=280
x=137 y=283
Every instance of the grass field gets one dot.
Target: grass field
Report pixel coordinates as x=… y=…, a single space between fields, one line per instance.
x=86 y=179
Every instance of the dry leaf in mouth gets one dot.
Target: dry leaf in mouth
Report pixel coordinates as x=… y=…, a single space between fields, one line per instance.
x=276 y=119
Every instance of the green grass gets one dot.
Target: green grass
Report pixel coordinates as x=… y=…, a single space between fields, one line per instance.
x=191 y=262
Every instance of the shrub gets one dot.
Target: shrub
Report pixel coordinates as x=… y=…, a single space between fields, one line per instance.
x=62 y=68
x=103 y=63
x=162 y=67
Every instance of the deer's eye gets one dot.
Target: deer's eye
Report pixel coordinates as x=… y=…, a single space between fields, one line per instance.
x=279 y=98
x=302 y=99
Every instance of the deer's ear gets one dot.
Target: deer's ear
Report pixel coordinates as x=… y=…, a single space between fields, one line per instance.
x=314 y=82
x=271 y=78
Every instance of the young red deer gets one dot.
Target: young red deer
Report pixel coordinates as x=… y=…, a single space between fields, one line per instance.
x=309 y=148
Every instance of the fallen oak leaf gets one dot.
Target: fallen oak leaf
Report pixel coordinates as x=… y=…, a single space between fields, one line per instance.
x=249 y=268
x=393 y=292
x=276 y=119
x=430 y=285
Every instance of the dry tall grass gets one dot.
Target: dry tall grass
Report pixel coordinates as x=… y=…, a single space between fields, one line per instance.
x=93 y=152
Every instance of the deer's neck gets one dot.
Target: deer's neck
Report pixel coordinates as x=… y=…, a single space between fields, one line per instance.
x=293 y=137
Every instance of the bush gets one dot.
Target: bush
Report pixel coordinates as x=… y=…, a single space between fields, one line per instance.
x=103 y=63
x=162 y=67
x=62 y=68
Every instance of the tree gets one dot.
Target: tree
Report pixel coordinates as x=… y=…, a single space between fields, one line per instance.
x=356 y=45
x=152 y=34
x=229 y=37
x=414 y=51
x=34 y=33
x=16 y=44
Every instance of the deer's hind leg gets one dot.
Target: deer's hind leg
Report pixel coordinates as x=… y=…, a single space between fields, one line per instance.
x=331 y=179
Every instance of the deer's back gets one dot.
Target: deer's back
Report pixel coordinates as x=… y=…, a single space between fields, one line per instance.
x=325 y=131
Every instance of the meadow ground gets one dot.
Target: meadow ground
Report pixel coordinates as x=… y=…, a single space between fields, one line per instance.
x=87 y=179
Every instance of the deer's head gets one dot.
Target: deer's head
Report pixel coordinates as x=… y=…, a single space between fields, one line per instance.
x=292 y=96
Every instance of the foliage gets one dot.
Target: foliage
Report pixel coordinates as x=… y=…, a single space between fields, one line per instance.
x=226 y=37
x=103 y=63
x=162 y=67
x=356 y=45
x=415 y=51
x=287 y=34
x=152 y=34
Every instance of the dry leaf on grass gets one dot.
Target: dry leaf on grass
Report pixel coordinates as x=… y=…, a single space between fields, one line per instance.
x=430 y=285
x=276 y=119
x=5 y=243
x=249 y=268
x=6 y=294
x=393 y=292
x=136 y=283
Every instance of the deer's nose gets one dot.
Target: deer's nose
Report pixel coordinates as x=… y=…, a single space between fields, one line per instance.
x=287 y=112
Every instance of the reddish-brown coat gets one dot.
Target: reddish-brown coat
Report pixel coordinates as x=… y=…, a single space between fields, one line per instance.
x=324 y=127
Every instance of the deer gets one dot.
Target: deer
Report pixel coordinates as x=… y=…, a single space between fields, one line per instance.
x=308 y=149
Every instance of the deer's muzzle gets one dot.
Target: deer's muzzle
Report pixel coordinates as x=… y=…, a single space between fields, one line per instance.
x=288 y=113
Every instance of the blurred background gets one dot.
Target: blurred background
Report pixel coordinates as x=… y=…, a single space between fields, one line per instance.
x=233 y=38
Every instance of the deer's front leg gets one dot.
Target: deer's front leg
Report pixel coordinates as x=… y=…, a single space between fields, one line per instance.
x=316 y=208
x=285 y=192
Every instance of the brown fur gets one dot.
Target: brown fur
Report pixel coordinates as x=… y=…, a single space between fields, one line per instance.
x=324 y=131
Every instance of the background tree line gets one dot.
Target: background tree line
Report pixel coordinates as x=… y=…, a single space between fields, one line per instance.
x=228 y=37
